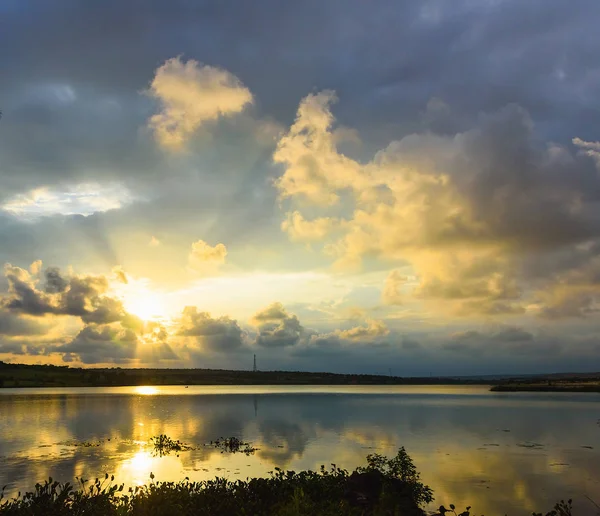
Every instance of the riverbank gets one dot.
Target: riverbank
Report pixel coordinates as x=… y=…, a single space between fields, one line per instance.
x=21 y=375
x=546 y=386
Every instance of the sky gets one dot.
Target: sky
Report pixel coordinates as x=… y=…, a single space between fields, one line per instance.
x=394 y=187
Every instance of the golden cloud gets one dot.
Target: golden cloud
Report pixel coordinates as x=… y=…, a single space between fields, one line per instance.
x=190 y=95
x=465 y=211
x=205 y=258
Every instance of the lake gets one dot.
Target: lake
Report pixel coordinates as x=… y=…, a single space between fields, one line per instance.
x=502 y=453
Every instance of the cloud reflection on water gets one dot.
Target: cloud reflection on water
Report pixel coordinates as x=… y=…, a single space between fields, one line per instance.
x=465 y=445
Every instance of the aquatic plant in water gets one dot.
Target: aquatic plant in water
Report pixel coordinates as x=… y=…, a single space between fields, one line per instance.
x=233 y=445
x=164 y=445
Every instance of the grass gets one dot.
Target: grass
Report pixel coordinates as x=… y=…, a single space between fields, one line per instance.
x=384 y=487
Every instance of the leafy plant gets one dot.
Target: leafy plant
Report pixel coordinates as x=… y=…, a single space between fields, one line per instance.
x=562 y=508
x=442 y=510
x=401 y=467
x=164 y=445
x=233 y=445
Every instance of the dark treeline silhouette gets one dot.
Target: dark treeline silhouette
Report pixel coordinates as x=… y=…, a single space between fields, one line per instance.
x=21 y=375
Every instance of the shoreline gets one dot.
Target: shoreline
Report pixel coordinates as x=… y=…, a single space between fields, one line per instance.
x=39 y=376
x=50 y=376
x=592 y=388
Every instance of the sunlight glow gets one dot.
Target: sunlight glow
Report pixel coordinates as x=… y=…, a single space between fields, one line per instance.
x=81 y=199
x=140 y=300
x=139 y=466
x=146 y=390
x=146 y=306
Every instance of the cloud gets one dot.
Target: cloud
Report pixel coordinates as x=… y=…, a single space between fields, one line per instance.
x=466 y=211
x=127 y=342
x=205 y=258
x=473 y=201
x=29 y=314
x=314 y=171
x=276 y=327
x=217 y=335
x=120 y=274
x=82 y=199
x=369 y=334
x=392 y=294
x=23 y=295
x=371 y=330
x=500 y=341
x=55 y=282
x=154 y=242
x=512 y=334
x=301 y=230
x=35 y=267
x=574 y=292
x=13 y=325
x=190 y=95
x=102 y=344
x=410 y=344
x=78 y=296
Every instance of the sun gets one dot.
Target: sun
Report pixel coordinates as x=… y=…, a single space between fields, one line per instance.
x=145 y=304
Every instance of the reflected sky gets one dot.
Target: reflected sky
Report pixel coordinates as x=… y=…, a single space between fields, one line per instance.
x=499 y=452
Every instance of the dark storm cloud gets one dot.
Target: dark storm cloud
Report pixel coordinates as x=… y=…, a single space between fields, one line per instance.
x=276 y=327
x=502 y=342
x=385 y=54
x=219 y=335
x=78 y=296
x=410 y=344
x=15 y=325
x=519 y=189
x=500 y=335
x=77 y=68
x=55 y=282
x=102 y=344
x=116 y=344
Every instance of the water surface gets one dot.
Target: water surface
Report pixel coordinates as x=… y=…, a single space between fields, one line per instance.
x=499 y=452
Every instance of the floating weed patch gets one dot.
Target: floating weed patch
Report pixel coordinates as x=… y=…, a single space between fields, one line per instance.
x=82 y=444
x=164 y=445
x=527 y=444
x=233 y=445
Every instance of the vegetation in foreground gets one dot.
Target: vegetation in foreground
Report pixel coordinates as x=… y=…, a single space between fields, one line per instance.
x=383 y=487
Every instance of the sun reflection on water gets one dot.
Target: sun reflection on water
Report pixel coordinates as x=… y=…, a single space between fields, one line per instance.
x=460 y=443
x=146 y=390
x=139 y=466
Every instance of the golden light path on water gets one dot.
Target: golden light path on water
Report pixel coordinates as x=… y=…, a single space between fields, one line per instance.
x=495 y=453
x=146 y=390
